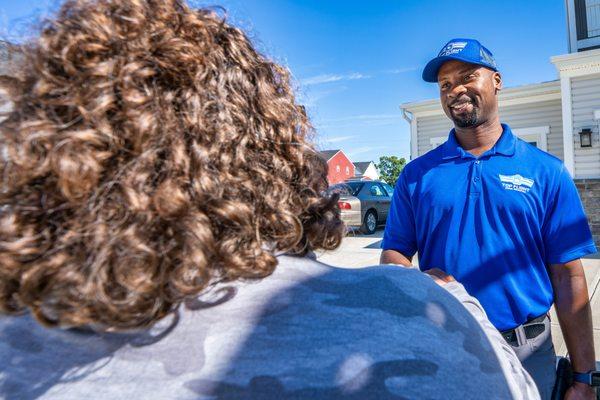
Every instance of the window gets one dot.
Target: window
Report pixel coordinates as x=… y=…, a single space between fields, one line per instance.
x=592 y=12
x=376 y=190
x=355 y=187
x=536 y=136
x=587 y=20
x=346 y=189
x=347 y=170
x=389 y=189
x=337 y=168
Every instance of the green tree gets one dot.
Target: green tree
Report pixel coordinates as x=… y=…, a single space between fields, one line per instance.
x=390 y=168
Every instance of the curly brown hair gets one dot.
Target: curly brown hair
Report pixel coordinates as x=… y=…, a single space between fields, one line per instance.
x=151 y=152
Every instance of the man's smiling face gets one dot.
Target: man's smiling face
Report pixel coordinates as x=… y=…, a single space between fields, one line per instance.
x=468 y=92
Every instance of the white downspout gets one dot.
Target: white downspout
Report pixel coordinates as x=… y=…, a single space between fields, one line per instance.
x=567 y=116
x=414 y=144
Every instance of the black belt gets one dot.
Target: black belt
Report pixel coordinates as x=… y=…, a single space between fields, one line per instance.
x=533 y=328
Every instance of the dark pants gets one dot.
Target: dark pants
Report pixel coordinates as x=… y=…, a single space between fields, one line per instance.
x=538 y=358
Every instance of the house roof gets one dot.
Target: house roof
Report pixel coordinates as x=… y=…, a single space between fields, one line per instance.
x=577 y=60
x=328 y=154
x=361 y=166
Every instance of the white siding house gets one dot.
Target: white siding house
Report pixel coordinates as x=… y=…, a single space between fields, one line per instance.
x=366 y=170
x=580 y=93
x=584 y=92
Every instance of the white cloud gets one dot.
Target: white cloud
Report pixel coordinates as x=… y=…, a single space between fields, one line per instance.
x=327 y=78
x=359 y=120
x=364 y=117
x=312 y=97
x=339 y=139
x=364 y=149
x=400 y=70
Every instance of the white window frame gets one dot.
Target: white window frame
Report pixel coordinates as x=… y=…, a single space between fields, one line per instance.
x=538 y=134
x=596 y=114
x=437 y=141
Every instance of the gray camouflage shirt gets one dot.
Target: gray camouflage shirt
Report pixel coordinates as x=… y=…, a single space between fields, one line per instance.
x=309 y=331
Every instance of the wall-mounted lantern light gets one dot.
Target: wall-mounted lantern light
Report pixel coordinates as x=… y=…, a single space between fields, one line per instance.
x=585 y=137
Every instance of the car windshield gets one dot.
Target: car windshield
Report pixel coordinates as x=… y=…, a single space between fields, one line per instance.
x=346 y=189
x=388 y=189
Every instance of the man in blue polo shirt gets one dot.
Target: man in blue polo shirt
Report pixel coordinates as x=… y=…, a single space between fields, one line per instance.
x=501 y=216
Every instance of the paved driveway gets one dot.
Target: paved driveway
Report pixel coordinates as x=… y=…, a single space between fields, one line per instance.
x=359 y=250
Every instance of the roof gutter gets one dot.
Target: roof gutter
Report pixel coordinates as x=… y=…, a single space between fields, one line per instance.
x=406 y=116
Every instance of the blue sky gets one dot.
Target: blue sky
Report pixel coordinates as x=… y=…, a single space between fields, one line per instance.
x=355 y=62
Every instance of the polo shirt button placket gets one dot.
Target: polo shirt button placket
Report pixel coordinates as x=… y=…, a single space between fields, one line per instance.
x=476 y=185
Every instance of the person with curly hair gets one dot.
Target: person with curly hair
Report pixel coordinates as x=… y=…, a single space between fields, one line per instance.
x=161 y=202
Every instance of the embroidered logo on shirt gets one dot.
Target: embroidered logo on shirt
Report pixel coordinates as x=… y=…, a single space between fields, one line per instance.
x=516 y=182
x=452 y=48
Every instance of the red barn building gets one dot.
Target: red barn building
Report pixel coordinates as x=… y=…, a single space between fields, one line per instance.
x=340 y=166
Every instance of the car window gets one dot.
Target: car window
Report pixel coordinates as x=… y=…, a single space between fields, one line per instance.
x=355 y=187
x=346 y=189
x=389 y=189
x=376 y=190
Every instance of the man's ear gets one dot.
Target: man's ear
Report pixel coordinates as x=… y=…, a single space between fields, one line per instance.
x=497 y=81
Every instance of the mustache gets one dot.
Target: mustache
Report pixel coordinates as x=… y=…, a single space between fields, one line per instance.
x=462 y=99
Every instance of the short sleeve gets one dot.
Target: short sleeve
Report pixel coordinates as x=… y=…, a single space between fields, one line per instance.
x=400 y=234
x=566 y=231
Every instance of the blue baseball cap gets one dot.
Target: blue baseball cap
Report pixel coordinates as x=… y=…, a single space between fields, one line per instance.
x=465 y=50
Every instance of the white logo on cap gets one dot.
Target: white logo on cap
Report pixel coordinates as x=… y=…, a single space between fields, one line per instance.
x=452 y=48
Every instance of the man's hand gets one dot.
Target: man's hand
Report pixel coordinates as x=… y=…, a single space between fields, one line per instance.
x=580 y=391
x=439 y=276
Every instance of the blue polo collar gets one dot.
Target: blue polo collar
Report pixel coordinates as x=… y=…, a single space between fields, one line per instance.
x=504 y=146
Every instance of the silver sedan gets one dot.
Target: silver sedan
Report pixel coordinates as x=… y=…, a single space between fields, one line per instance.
x=364 y=204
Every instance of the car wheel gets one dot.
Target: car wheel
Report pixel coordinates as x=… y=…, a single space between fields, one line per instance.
x=369 y=223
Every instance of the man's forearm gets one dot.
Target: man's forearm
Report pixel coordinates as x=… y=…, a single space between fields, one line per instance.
x=395 y=257
x=574 y=313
